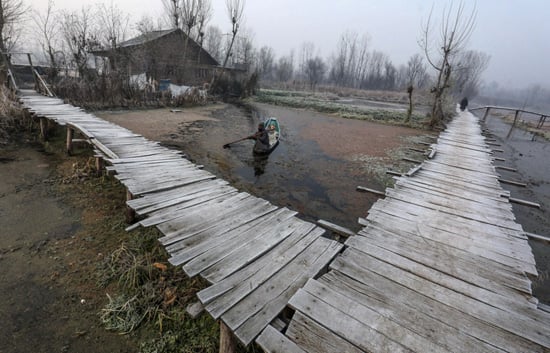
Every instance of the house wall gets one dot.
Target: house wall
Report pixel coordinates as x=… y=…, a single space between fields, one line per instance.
x=164 y=58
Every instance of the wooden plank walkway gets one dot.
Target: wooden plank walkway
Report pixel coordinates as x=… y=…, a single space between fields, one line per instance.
x=441 y=266
x=255 y=255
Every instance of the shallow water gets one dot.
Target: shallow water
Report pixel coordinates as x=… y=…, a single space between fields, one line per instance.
x=530 y=156
x=315 y=169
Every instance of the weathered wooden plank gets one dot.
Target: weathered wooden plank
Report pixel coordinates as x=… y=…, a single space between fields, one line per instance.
x=403 y=314
x=199 y=214
x=335 y=228
x=202 y=217
x=253 y=249
x=381 y=282
x=350 y=325
x=252 y=314
x=195 y=242
x=150 y=200
x=272 y=341
x=210 y=249
x=236 y=291
x=454 y=272
x=260 y=270
x=312 y=337
x=515 y=324
x=212 y=192
x=488 y=256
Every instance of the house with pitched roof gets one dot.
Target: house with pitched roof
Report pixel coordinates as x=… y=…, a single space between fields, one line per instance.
x=163 y=55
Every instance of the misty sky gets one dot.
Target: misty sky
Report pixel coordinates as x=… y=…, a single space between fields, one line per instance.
x=515 y=33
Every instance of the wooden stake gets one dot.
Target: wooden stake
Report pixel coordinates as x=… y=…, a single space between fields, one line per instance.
x=513 y=124
x=524 y=202
x=70 y=134
x=345 y=232
x=130 y=213
x=512 y=182
x=506 y=168
x=228 y=344
x=376 y=192
x=538 y=237
x=44 y=129
x=486 y=113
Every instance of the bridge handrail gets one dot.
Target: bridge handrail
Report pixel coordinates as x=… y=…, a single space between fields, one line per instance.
x=508 y=108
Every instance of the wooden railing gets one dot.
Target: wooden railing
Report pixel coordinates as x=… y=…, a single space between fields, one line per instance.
x=540 y=123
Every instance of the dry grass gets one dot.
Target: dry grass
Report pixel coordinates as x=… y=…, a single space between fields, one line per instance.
x=12 y=117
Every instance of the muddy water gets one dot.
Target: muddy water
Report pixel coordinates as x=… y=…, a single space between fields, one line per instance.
x=531 y=159
x=315 y=169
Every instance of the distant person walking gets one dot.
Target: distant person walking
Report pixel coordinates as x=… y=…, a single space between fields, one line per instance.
x=463 y=103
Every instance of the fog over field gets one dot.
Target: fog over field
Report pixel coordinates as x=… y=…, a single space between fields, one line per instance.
x=514 y=33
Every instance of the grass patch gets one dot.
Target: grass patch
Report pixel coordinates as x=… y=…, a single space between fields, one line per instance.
x=325 y=103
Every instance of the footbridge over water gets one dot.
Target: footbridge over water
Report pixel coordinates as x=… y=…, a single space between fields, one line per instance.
x=440 y=266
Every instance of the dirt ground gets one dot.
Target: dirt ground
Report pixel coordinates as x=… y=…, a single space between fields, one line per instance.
x=50 y=302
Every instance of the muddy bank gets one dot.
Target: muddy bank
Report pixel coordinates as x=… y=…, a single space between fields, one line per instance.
x=529 y=155
x=45 y=304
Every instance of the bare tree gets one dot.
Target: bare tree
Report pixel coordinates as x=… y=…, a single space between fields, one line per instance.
x=244 y=52
x=12 y=13
x=213 y=42
x=315 y=71
x=172 y=9
x=454 y=31
x=114 y=24
x=349 y=64
x=469 y=66
x=203 y=17
x=266 y=59
x=79 y=37
x=285 y=68
x=48 y=30
x=416 y=76
x=235 y=10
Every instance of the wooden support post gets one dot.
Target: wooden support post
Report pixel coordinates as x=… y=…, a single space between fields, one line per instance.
x=228 y=344
x=513 y=124
x=130 y=213
x=99 y=165
x=70 y=134
x=44 y=129
x=486 y=113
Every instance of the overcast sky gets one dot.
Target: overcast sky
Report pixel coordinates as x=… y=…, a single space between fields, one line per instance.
x=515 y=33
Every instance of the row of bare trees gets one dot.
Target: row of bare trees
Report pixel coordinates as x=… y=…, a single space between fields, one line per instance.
x=67 y=38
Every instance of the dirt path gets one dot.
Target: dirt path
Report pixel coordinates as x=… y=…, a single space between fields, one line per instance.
x=44 y=308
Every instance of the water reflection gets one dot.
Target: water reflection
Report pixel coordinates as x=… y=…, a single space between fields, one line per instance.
x=259 y=163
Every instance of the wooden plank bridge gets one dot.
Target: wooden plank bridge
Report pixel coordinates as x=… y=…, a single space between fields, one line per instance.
x=440 y=266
